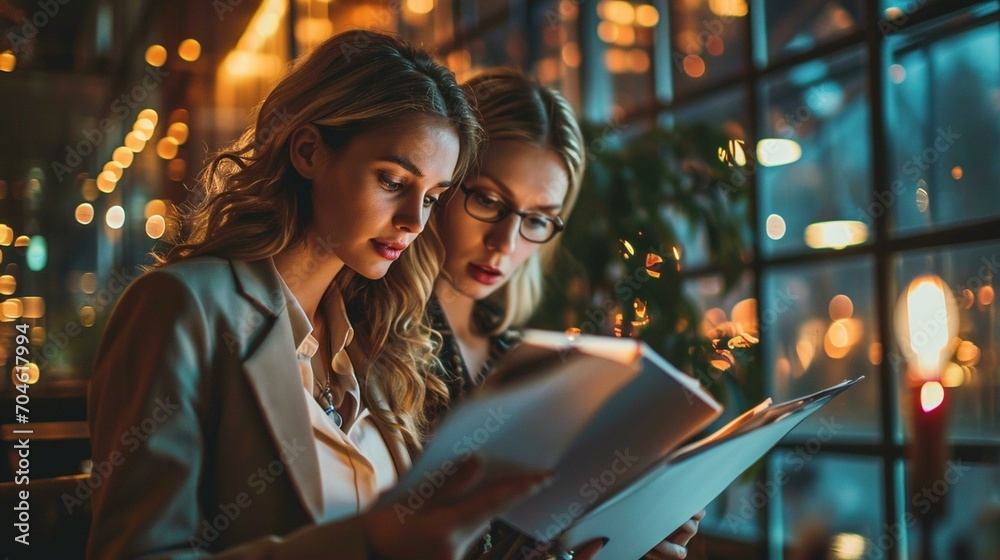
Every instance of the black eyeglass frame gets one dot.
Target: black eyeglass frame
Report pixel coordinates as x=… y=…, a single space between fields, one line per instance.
x=506 y=210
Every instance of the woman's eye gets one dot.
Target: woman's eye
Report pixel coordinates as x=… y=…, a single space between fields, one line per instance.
x=538 y=222
x=486 y=200
x=389 y=184
x=430 y=201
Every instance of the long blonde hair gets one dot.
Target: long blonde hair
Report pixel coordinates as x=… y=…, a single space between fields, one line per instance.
x=254 y=203
x=512 y=106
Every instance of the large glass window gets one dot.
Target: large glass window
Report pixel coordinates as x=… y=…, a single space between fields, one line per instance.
x=943 y=137
x=814 y=156
x=818 y=329
x=709 y=43
x=795 y=26
x=968 y=368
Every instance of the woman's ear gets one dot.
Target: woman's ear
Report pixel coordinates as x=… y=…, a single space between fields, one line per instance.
x=305 y=147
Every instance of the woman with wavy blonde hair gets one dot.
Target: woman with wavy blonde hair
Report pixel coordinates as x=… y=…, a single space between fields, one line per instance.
x=239 y=413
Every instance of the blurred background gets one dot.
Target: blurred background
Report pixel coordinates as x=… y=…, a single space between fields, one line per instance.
x=780 y=195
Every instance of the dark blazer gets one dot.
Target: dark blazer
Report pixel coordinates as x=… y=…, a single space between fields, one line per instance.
x=205 y=442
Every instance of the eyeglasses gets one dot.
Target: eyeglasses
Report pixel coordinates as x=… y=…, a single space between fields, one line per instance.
x=485 y=207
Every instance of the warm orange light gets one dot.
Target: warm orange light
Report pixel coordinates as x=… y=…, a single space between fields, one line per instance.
x=625 y=36
x=7 y=61
x=926 y=321
x=639 y=61
x=106 y=182
x=84 y=213
x=18 y=374
x=114 y=167
x=87 y=316
x=835 y=234
x=956 y=172
x=646 y=15
x=155 y=226
x=731 y=8
x=156 y=55
x=653 y=263
x=154 y=207
x=608 y=31
x=8 y=285
x=178 y=131
x=420 y=6
x=931 y=396
x=166 y=148
x=571 y=54
x=123 y=156
x=619 y=11
x=135 y=141
x=33 y=307
x=841 y=307
x=189 y=50
x=953 y=375
x=617 y=60
x=150 y=115
x=694 y=66
x=986 y=295
x=715 y=45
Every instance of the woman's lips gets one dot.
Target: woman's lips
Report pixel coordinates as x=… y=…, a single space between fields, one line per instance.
x=389 y=251
x=485 y=274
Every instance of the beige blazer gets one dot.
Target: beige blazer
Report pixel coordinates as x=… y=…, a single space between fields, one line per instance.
x=206 y=449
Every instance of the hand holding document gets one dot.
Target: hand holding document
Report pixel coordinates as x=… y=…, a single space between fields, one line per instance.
x=608 y=415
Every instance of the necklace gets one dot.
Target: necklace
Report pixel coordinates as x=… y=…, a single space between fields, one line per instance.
x=325 y=398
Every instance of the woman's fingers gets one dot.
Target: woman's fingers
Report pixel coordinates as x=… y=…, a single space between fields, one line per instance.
x=468 y=473
x=588 y=550
x=487 y=500
x=687 y=531
x=666 y=551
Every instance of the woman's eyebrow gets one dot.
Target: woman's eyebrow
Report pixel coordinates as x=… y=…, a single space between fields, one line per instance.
x=407 y=164
x=508 y=194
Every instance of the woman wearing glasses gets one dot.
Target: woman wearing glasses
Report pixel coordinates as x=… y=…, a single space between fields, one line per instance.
x=233 y=409
x=500 y=232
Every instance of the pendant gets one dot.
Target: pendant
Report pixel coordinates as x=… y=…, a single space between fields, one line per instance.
x=330 y=410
